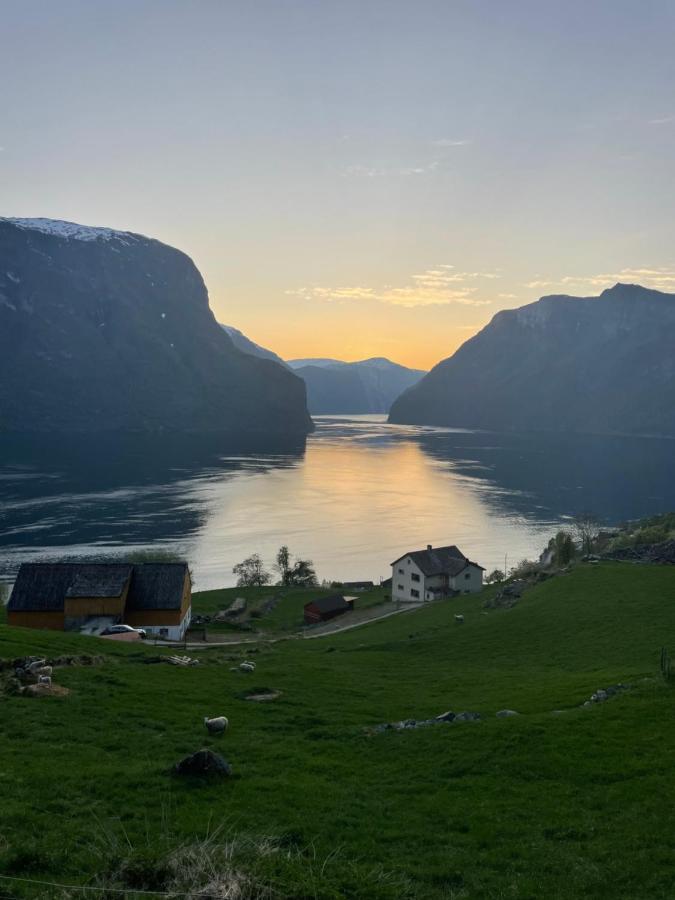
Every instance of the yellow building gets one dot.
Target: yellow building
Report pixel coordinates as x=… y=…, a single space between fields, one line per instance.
x=66 y=596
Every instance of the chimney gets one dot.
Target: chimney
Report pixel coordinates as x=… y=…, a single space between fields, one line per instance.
x=428 y=546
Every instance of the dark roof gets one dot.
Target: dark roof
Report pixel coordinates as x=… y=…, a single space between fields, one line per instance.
x=329 y=604
x=43 y=587
x=439 y=560
x=99 y=580
x=157 y=586
x=357 y=584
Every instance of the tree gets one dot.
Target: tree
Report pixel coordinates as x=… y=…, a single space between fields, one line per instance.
x=563 y=548
x=251 y=572
x=495 y=575
x=302 y=574
x=283 y=564
x=586 y=527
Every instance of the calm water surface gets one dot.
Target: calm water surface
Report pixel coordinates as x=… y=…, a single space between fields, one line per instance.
x=359 y=493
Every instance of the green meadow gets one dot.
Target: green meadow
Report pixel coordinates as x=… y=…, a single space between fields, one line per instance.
x=287 y=613
x=576 y=803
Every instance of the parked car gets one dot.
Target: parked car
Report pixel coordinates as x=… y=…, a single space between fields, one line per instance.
x=123 y=629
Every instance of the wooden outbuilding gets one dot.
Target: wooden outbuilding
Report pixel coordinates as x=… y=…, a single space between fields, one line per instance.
x=65 y=596
x=324 y=608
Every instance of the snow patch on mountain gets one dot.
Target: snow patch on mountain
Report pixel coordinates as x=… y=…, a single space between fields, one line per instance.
x=71 y=230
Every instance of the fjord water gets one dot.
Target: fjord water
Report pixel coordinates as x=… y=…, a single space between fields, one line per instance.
x=358 y=493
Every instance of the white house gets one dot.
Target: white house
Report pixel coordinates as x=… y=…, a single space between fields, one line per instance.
x=433 y=573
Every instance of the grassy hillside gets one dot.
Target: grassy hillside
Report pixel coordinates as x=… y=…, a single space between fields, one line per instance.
x=542 y=805
x=286 y=615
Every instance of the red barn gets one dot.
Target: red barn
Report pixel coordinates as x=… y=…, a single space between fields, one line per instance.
x=325 y=608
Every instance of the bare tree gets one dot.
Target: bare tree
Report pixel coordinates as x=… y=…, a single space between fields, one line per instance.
x=586 y=528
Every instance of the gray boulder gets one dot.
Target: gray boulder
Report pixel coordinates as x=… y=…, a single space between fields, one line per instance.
x=203 y=762
x=446 y=717
x=505 y=713
x=467 y=717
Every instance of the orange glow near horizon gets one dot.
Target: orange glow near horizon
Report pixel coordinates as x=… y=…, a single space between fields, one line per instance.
x=417 y=338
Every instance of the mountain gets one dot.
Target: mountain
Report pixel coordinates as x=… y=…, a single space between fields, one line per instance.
x=246 y=345
x=312 y=361
x=580 y=364
x=104 y=330
x=368 y=386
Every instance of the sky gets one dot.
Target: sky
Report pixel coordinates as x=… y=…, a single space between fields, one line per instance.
x=354 y=179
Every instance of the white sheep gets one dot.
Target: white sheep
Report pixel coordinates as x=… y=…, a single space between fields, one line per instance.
x=43 y=671
x=247 y=666
x=35 y=664
x=45 y=679
x=459 y=619
x=218 y=725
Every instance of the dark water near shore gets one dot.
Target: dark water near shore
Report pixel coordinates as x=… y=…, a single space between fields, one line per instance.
x=355 y=496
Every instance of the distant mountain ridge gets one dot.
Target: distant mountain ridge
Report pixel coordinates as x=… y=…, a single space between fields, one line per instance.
x=336 y=387
x=579 y=364
x=104 y=330
x=366 y=386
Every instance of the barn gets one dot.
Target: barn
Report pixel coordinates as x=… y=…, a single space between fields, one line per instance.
x=66 y=596
x=324 y=608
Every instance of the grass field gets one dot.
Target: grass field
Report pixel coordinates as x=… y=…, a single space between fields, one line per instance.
x=286 y=616
x=578 y=804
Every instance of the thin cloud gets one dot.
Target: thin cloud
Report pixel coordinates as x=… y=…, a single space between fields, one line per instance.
x=666 y=120
x=660 y=278
x=440 y=286
x=359 y=171
x=451 y=142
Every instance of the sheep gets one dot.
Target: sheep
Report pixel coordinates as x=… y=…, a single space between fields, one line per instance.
x=247 y=666
x=45 y=679
x=35 y=664
x=218 y=725
x=459 y=619
x=42 y=671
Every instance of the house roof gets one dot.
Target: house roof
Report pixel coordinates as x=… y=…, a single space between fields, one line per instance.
x=329 y=604
x=44 y=587
x=157 y=586
x=439 y=560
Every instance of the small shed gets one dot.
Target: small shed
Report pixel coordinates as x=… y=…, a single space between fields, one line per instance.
x=324 y=608
x=358 y=585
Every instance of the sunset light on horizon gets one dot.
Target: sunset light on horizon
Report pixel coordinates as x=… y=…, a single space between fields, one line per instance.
x=343 y=193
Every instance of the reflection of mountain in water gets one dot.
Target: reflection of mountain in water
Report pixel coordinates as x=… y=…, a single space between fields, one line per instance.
x=360 y=493
x=553 y=476
x=119 y=491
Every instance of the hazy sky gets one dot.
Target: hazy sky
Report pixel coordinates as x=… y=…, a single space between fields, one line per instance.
x=354 y=178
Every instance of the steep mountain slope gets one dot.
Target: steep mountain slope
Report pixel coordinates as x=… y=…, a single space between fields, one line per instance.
x=103 y=330
x=584 y=364
x=246 y=345
x=368 y=386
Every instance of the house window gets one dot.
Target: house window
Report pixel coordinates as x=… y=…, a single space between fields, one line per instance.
x=400 y=587
x=467 y=576
x=164 y=632
x=414 y=576
x=414 y=593
x=400 y=572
